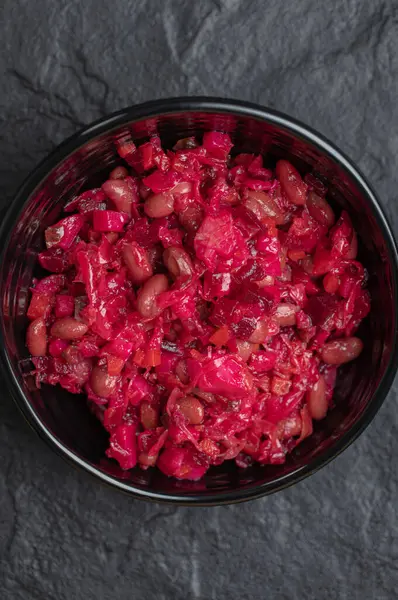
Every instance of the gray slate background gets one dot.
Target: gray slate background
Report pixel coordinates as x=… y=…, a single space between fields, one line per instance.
x=333 y=65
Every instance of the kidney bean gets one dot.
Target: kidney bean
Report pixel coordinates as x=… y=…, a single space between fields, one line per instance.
x=331 y=283
x=291 y=182
x=178 y=262
x=207 y=397
x=263 y=206
x=68 y=328
x=192 y=409
x=101 y=382
x=191 y=217
x=149 y=415
x=146 y=298
x=36 y=337
x=245 y=349
x=286 y=314
x=320 y=209
x=316 y=400
x=40 y=305
x=264 y=329
x=184 y=143
x=159 y=205
x=118 y=173
x=137 y=261
x=341 y=351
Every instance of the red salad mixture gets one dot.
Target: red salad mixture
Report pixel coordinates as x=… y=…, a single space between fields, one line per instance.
x=202 y=303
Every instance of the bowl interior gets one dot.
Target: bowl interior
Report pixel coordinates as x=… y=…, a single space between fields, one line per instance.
x=68 y=418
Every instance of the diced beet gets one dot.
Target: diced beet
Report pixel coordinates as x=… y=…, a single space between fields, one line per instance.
x=64 y=233
x=109 y=220
x=54 y=260
x=64 y=306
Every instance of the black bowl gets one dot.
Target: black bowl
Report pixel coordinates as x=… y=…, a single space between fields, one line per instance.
x=65 y=421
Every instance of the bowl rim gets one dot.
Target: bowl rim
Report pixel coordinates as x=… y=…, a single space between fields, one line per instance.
x=207 y=104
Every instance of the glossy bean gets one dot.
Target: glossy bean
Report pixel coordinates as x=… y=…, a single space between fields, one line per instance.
x=286 y=314
x=137 y=262
x=159 y=205
x=178 y=262
x=316 y=400
x=291 y=182
x=68 y=328
x=191 y=217
x=192 y=409
x=185 y=143
x=118 y=173
x=149 y=415
x=122 y=194
x=320 y=209
x=146 y=298
x=263 y=206
x=341 y=351
x=36 y=337
x=101 y=382
x=331 y=283
x=207 y=397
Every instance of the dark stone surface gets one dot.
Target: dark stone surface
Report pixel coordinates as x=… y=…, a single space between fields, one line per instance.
x=335 y=66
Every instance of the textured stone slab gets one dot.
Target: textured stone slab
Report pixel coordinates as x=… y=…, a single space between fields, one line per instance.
x=332 y=64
